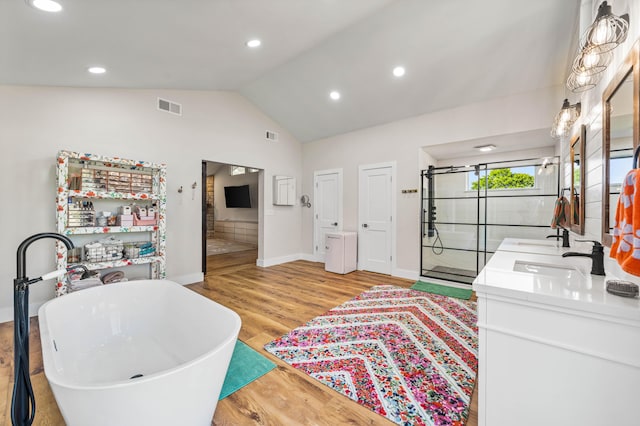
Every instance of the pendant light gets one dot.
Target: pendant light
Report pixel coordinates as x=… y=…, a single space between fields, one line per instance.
x=606 y=32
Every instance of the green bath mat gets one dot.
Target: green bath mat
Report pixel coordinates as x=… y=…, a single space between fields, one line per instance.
x=458 y=293
x=246 y=366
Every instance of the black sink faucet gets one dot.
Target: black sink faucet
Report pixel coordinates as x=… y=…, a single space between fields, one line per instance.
x=564 y=236
x=597 y=257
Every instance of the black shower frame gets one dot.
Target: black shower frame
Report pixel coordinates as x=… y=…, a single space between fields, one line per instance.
x=426 y=221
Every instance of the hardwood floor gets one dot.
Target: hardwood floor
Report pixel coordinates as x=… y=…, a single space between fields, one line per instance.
x=229 y=262
x=271 y=301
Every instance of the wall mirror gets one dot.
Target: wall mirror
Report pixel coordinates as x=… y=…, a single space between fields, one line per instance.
x=577 y=149
x=620 y=134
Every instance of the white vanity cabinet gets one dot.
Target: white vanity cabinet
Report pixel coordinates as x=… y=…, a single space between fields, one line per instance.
x=109 y=184
x=555 y=350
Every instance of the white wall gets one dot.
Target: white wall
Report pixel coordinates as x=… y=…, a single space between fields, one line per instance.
x=591 y=117
x=402 y=141
x=36 y=122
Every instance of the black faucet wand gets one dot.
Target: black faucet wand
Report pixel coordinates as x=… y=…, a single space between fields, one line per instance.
x=565 y=237
x=22 y=397
x=597 y=257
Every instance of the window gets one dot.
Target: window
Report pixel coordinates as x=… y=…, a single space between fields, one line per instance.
x=618 y=168
x=240 y=170
x=236 y=170
x=505 y=178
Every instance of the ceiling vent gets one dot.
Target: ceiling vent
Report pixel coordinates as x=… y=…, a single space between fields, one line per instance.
x=272 y=136
x=169 y=106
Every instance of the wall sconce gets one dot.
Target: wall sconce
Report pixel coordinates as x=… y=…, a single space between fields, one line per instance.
x=582 y=80
x=592 y=61
x=565 y=119
x=304 y=201
x=606 y=32
x=587 y=69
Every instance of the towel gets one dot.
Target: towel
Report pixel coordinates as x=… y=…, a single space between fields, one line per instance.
x=561 y=213
x=113 y=277
x=576 y=208
x=625 y=247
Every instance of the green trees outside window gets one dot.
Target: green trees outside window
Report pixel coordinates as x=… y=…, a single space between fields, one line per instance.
x=504 y=179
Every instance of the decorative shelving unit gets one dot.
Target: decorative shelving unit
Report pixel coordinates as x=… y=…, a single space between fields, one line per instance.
x=111 y=179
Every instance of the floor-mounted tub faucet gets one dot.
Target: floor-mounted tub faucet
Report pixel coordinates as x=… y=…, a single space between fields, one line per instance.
x=597 y=257
x=564 y=236
x=23 y=403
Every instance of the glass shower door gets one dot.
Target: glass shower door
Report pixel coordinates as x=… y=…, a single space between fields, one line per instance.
x=468 y=210
x=450 y=235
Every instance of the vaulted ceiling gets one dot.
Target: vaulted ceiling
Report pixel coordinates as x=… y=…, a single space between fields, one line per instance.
x=455 y=52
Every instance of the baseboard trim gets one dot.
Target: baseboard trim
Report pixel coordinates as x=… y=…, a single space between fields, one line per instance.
x=6 y=314
x=405 y=273
x=278 y=260
x=308 y=257
x=445 y=282
x=196 y=277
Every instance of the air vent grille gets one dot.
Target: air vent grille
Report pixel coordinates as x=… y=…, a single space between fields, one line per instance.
x=272 y=136
x=170 y=107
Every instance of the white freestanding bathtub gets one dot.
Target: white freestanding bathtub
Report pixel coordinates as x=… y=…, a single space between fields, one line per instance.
x=137 y=353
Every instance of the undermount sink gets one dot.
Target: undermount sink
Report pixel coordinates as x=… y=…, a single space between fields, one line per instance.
x=557 y=271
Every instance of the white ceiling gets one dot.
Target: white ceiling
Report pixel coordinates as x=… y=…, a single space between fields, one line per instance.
x=455 y=52
x=539 y=138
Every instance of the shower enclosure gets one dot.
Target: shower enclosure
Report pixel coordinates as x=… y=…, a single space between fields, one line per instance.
x=468 y=210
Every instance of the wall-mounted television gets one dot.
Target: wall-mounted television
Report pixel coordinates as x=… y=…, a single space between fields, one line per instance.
x=237 y=196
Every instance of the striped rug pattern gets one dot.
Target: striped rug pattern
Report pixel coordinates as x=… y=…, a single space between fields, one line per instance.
x=407 y=355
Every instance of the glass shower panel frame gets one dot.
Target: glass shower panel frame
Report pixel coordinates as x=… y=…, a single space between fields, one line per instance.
x=469 y=223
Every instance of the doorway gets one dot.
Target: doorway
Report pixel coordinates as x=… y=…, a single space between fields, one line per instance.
x=376 y=210
x=327 y=217
x=230 y=200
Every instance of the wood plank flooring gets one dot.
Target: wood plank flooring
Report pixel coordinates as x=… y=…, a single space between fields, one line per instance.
x=271 y=301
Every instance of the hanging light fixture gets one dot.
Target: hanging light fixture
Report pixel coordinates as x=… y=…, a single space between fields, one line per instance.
x=565 y=119
x=587 y=68
x=581 y=80
x=592 y=61
x=607 y=31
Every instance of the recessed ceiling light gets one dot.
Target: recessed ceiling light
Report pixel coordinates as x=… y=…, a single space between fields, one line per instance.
x=485 y=148
x=398 y=71
x=97 y=70
x=335 y=95
x=254 y=43
x=46 y=5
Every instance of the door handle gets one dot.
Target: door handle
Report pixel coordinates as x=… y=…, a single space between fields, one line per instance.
x=334 y=224
x=364 y=225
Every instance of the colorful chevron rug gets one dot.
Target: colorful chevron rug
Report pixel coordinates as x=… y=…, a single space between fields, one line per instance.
x=407 y=355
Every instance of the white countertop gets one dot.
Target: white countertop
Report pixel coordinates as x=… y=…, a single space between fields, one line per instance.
x=523 y=245
x=578 y=290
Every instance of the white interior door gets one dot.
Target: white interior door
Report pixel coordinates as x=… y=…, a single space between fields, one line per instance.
x=375 y=233
x=328 y=208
